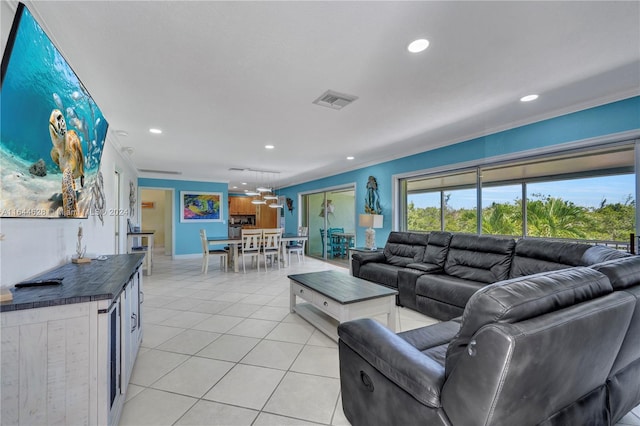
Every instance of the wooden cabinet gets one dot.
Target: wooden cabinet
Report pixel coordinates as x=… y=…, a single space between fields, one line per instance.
x=241 y=205
x=266 y=217
x=70 y=363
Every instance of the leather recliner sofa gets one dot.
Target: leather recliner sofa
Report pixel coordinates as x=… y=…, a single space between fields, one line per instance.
x=556 y=348
x=448 y=268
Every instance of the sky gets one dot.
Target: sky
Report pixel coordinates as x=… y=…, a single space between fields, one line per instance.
x=588 y=192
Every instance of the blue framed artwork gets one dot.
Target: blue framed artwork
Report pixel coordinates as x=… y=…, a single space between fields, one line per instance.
x=200 y=206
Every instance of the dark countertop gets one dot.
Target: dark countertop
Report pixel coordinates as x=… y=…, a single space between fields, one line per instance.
x=98 y=280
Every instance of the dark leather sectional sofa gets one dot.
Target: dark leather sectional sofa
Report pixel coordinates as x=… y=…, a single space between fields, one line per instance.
x=560 y=347
x=437 y=273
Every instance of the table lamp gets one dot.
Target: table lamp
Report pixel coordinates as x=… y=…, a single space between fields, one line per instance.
x=370 y=221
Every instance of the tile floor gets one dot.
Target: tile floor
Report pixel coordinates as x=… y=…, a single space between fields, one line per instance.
x=223 y=349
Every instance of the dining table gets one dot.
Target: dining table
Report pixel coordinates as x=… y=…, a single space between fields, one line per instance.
x=235 y=242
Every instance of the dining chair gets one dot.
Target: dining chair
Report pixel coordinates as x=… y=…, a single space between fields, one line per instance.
x=297 y=246
x=250 y=247
x=271 y=245
x=335 y=243
x=206 y=253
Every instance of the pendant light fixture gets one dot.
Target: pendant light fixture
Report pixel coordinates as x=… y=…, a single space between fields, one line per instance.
x=274 y=196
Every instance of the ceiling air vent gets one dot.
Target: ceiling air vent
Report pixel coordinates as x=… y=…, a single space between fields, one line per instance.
x=164 y=172
x=334 y=100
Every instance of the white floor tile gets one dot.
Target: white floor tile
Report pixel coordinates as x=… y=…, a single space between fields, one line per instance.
x=229 y=348
x=290 y=332
x=319 y=361
x=218 y=323
x=253 y=328
x=240 y=309
x=189 y=342
x=272 y=354
x=185 y=319
x=246 y=386
x=155 y=334
x=194 y=377
x=267 y=419
x=293 y=397
x=156 y=408
x=153 y=364
x=213 y=414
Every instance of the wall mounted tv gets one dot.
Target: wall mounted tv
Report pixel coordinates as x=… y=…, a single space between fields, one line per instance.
x=52 y=132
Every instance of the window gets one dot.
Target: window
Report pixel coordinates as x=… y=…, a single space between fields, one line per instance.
x=586 y=194
x=442 y=202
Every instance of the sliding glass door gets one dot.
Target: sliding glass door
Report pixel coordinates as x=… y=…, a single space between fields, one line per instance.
x=326 y=213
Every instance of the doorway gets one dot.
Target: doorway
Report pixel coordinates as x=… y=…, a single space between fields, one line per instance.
x=327 y=213
x=156 y=207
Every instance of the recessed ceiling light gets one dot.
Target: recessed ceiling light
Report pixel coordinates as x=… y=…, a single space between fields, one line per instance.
x=269 y=146
x=155 y=131
x=244 y=183
x=350 y=157
x=528 y=98
x=234 y=187
x=418 y=46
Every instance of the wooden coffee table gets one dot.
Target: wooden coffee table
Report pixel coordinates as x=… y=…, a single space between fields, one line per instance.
x=333 y=297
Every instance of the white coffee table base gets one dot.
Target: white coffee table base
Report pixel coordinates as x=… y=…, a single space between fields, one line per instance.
x=326 y=314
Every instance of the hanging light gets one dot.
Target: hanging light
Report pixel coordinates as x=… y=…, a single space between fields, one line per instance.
x=273 y=197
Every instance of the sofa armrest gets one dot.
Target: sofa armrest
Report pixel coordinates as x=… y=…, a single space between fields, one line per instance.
x=359 y=258
x=426 y=268
x=396 y=359
x=376 y=256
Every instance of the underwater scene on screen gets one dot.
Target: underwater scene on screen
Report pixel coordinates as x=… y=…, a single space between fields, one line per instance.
x=52 y=132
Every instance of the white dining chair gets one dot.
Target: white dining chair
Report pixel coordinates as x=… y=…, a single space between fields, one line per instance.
x=250 y=247
x=297 y=246
x=271 y=246
x=207 y=253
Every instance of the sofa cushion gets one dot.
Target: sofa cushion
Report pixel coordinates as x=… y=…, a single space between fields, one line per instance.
x=534 y=255
x=381 y=273
x=433 y=340
x=403 y=248
x=622 y=273
x=437 y=248
x=521 y=298
x=480 y=258
x=443 y=288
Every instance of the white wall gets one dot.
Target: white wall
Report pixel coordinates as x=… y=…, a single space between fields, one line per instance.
x=33 y=246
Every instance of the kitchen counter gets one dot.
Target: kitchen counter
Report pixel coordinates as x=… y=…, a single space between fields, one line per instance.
x=98 y=280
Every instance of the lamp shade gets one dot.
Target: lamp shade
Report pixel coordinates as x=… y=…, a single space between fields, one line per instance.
x=371 y=220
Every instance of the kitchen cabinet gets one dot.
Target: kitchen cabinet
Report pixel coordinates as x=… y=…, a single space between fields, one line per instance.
x=240 y=205
x=266 y=217
x=68 y=352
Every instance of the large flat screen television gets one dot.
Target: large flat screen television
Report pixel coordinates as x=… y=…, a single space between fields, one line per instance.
x=51 y=131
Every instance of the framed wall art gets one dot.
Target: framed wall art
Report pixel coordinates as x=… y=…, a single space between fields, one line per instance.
x=200 y=206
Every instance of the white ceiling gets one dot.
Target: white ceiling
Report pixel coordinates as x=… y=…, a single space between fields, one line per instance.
x=222 y=79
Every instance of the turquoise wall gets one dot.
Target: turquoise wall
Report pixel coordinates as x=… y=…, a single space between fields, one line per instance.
x=594 y=122
x=187 y=235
